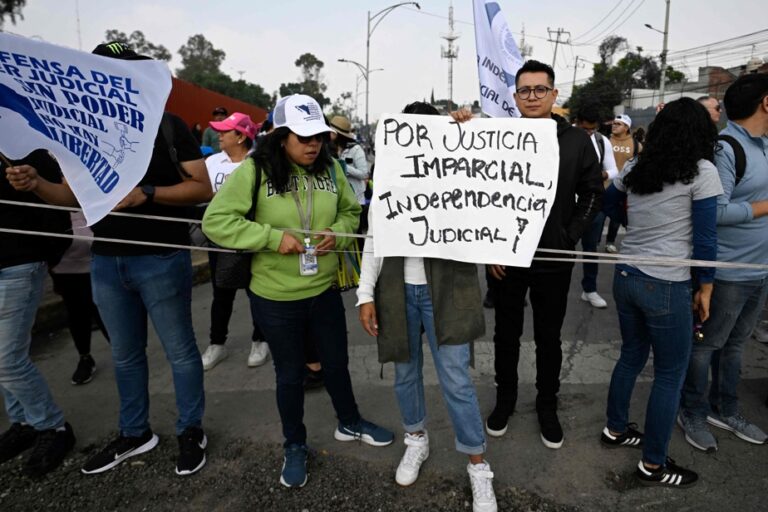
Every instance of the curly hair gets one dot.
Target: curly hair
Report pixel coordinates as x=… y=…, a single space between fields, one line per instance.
x=680 y=136
x=270 y=156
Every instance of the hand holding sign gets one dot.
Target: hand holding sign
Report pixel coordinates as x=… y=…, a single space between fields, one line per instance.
x=22 y=178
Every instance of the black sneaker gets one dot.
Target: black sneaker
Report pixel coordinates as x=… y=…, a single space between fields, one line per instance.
x=668 y=475
x=86 y=367
x=489 y=301
x=192 y=443
x=631 y=438
x=16 y=440
x=551 y=431
x=51 y=446
x=119 y=450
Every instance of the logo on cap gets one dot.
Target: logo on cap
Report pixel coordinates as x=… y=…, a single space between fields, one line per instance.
x=115 y=48
x=304 y=108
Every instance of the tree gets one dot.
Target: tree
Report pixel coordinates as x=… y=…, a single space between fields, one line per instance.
x=139 y=44
x=311 y=80
x=610 y=83
x=201 y=65
x=199 y=58
x=343 y=106
x=11 y=9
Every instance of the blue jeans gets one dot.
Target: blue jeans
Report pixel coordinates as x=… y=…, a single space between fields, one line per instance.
x=452 y=364
x=125 y=289
x=25 y=392
x=735 y=309
x=653 y=314
x=589 y=241
x=286 y=325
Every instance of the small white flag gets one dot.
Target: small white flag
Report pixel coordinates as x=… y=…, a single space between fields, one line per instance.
x=99 y=116
x=498 y=60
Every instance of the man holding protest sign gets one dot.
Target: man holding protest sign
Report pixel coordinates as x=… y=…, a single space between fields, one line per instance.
x=577 y=201
x=130 y=281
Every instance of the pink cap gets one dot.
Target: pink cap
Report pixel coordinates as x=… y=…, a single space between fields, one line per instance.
x=237 y=121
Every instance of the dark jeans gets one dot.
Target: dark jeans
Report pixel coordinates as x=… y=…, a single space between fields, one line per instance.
x=285 y=325
x=589 y=241
x=75 y=291
x=221 y=309
x=549 y=299
x=653 y=314
x=613 y=230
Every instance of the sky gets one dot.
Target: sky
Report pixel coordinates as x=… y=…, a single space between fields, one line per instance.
x=263 y=38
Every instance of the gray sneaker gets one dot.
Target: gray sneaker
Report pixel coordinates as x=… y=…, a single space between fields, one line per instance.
x=696 y=432
x=739 y=426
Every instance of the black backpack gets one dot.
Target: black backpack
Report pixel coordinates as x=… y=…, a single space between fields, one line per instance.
x=738 y=155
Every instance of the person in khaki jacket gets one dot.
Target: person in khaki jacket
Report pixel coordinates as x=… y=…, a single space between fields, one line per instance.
x=625 y=147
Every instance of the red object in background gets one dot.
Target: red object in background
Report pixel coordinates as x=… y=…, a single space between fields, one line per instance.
x=194 y=104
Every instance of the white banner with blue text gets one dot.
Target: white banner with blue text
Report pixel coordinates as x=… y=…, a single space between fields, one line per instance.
x=98 y=116
x=498 y=60
x=479 y=191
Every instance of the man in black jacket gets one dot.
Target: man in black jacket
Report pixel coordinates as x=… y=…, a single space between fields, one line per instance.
x=577 y=200
x=36 y=421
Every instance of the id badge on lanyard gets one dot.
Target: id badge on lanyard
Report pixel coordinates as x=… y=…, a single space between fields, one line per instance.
x=308 y=259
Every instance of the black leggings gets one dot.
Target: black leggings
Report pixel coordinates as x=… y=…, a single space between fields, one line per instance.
x=221 y=309
x=75 y=290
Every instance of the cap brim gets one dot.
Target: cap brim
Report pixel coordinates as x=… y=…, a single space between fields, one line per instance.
x=222 y=126
x=309 y=129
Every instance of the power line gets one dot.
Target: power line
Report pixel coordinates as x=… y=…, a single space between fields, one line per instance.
x=613 y=27
x=599 y=22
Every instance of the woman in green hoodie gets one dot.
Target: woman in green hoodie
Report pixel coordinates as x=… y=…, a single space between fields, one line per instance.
x=298 y=187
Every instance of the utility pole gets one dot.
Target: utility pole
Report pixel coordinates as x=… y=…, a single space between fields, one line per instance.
x=575 y=68
x=450 y=53
x=525 y=49
x=664 y=54
x=559 y=32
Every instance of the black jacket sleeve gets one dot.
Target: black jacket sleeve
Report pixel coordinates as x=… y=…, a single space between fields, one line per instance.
x=589 y=192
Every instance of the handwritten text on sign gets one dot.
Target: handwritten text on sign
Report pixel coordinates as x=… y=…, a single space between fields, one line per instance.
x=478 y=191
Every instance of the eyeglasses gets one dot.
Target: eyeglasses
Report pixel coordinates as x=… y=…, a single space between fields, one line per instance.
x=319 y=137
x=538 y=92
x=718 y=108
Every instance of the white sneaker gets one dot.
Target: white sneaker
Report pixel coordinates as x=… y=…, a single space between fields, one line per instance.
x=481 y=478
x=213 y=355
x=594 y=299
x=259 y=353
x=611 y=249
x=416 y=452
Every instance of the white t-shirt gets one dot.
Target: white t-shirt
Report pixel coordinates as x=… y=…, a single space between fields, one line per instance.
x=220 y=166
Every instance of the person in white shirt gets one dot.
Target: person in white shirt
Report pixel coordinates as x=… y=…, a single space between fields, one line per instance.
x=588 y=119
x=236 y=134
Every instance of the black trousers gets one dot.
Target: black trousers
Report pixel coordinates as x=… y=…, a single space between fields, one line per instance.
x=548 y=297
x=75 y=291
x=221 y=310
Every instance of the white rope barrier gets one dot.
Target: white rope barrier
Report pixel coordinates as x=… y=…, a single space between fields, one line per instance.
x=576 y=256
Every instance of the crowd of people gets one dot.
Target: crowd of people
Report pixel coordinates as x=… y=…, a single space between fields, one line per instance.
x=289 y=191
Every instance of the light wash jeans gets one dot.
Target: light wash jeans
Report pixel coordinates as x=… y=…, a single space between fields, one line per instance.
x=126 y=289
x=452 y=364
x=26 y=394
x=735 y=309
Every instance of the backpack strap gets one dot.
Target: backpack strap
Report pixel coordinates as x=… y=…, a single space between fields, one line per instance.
x=601 y=146
x=251 y=215
x=738 y=153
x=166 y=128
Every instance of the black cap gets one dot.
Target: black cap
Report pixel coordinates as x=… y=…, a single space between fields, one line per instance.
x=220 y=111
x=118 y=50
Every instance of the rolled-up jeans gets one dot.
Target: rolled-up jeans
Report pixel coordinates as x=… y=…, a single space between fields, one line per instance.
x=126 y=289
x=25 y=392
x=452 y=365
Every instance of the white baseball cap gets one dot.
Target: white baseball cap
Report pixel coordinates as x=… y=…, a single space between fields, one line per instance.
x=624 y=118
x=301 y=114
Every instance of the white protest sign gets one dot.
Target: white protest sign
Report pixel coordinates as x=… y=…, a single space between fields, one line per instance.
x=498 y=60
x=478 y=191
x=99 y=116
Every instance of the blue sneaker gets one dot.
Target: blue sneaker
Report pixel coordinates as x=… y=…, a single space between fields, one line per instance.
x=366 y=432
x=294 y=473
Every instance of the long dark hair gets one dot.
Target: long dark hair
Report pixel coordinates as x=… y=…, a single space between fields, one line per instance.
x=270 y=155
x=680 y=136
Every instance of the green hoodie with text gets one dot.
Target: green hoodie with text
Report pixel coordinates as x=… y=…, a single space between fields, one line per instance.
x=276 y=276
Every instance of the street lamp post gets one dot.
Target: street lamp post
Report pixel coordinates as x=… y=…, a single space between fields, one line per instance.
x=665 y=33
x=380 y=15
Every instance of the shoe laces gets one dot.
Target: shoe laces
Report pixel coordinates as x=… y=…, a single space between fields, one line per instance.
x=45 y=440
x=482 y=482
x=738 y=422
x=414 y=449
